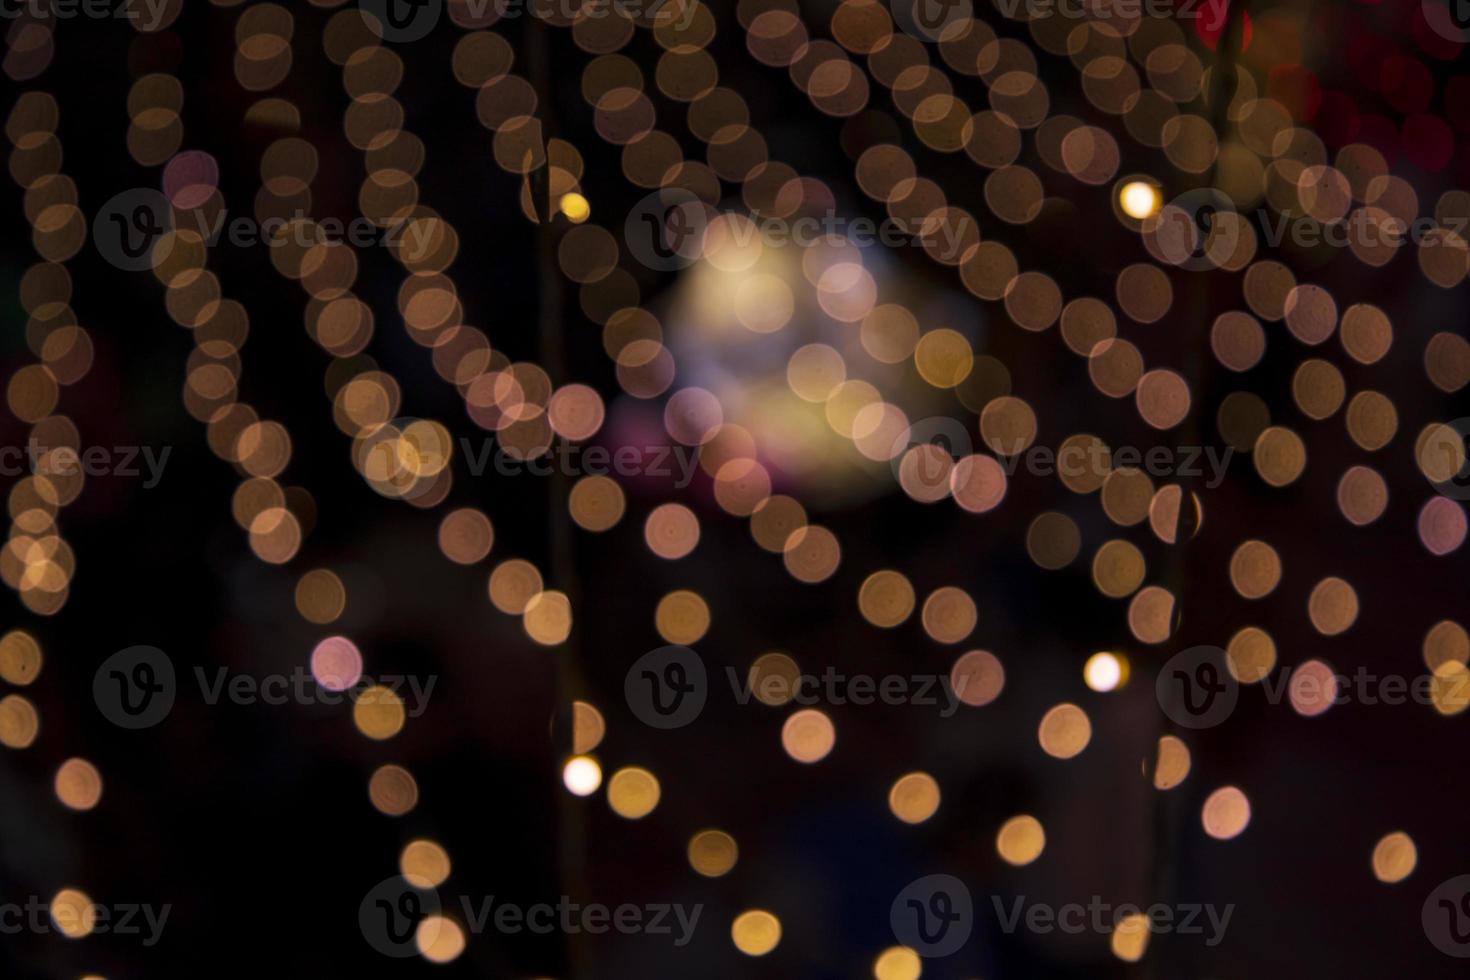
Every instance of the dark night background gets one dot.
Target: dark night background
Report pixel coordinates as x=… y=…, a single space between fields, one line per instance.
x=254 y=821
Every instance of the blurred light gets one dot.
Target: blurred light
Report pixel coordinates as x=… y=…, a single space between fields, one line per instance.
x=1139 y=200
x=439 y=939
x=78 y=784
x=897 y=963
x=73 y=913
x=1064 y=731
x=1394 y=857
x=713 y=853
x=1226 y=813
x=392 y=790
x=424 y=863
x=1105 y=672
x=755 y=933
x=582 y=775
x=575 y=207
x=914 y=798
x=633 y=792
x=1020 y=840
x=1130 y=938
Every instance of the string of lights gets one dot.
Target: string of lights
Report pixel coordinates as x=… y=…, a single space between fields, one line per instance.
x=37 y=561
x=1151 y=182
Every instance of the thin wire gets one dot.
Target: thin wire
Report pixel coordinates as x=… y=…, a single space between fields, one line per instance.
x=1168 y=806
x=561 y=540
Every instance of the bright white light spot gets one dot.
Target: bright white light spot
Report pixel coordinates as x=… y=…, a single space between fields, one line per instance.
x=1139 y=199
x=1103 y=672
x=582 y=775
